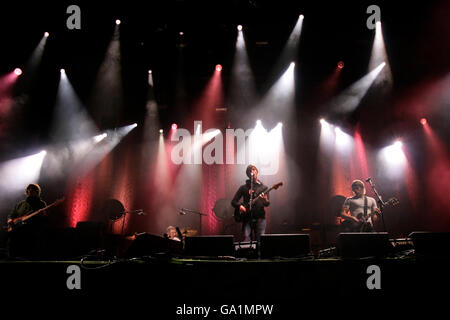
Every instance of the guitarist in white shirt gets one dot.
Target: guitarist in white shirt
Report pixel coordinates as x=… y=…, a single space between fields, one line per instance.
x=360 y=211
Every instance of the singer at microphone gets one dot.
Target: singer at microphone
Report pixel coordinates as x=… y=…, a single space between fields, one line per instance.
x=252 y=217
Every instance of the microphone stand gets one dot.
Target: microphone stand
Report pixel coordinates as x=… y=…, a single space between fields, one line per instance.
x=184 y=211
x=380 y=201
x=252 y=230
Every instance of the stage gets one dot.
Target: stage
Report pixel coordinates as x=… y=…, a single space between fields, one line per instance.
x=139 y=143
x=215 y=280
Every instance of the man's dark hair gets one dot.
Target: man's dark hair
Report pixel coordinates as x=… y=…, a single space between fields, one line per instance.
x=249 y=169
x=33 y=187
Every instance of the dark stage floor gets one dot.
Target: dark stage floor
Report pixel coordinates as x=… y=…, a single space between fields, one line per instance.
x=167 y=284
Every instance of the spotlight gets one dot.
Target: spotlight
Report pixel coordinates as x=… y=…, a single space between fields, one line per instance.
x=174 y=126
x=423 y=121
x=258 y=122
x=280 y=124
x=62 y=71
x=46 y=34
x=322 y=121
x=394 y=155
x=219 y=67
x=100 y=137
x=181 y=33
x=149 y=71
x=340 y=64
x=161 y=131
x=134 y=125
x=302 y=16
x=43 y=153
x=239 y=27
x=18 y=71
x=292 y=64
x=118 y=22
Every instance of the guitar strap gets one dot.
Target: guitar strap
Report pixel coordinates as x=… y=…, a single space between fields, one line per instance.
x=365 y=206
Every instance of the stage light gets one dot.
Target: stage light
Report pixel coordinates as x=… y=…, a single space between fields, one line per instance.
x=423 y=121
x=280 y=124
x=239 y=27
x=394 y=153
x=62 y=71
x=18 y=71
x=134 y=125
x=343 y=141
x=292 y=65
x=322 y=121
x=118 y=22
x=219 y=67
x=174 y=126
x=181 y=33
x=46 y=34
x=100 y=137
x=302 y=16
x=340 y=65
x=161 y=131
x=17 y=173
x=149 y=71
x=258 y=122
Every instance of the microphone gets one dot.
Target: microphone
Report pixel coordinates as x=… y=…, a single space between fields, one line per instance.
x=181 y=212
x=368 y=179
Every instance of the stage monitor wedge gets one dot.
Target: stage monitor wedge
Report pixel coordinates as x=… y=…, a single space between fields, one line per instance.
x=363 y=244
x=209 y=246
x=431 y=243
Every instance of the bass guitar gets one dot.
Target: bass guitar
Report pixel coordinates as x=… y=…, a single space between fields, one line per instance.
x=240 y=216
x=19 y=221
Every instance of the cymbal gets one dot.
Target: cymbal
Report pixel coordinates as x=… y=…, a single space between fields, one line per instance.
x=187 y=232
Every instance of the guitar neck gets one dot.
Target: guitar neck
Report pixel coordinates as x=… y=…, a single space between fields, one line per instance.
x=265 y=192
x=38 y=211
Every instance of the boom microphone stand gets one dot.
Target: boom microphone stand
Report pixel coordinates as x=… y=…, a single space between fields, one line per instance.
x=380 y=202
x=183 y=211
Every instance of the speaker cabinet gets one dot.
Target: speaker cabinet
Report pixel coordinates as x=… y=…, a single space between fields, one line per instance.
x=284 y=245
x=363 y=244
x=90 y=236
x=212 y=246
x=431 y=243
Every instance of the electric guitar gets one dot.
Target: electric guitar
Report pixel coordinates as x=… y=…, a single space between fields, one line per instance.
x=240 y=216
x=364 y=222
x=19 y=221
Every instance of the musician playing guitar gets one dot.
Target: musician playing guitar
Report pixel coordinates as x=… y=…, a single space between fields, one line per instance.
x=360 y=211
x=24 y=241
x=253 y=219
